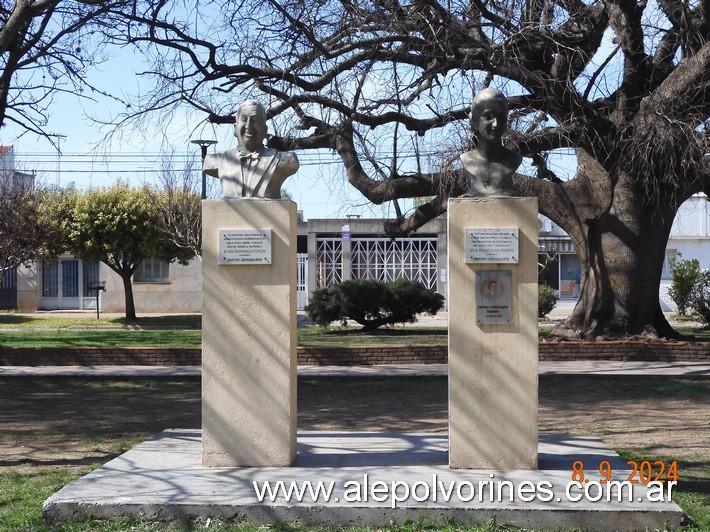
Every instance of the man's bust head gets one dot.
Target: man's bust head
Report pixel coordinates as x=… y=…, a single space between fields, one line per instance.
x=250 y=126
x=252 y=170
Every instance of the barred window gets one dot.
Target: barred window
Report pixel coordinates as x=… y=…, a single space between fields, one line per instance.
x=153 y=270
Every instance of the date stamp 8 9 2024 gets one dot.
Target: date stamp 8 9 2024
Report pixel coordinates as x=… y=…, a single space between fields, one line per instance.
x=643 y=472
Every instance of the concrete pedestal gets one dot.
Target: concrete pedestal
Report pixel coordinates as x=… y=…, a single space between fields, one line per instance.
x=249 y=339
x=493 y=374
x=162 y=479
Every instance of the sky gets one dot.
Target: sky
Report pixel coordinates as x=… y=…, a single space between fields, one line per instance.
x=319 y=188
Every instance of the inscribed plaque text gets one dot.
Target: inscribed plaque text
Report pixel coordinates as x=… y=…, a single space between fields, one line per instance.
x=491 y=245
x=244 y=246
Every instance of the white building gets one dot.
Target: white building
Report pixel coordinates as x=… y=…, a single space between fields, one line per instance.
x=689 y=239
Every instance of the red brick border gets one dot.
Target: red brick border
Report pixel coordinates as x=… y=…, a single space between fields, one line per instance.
x=351 y=356
x=100 y=356
x=625 y=350
x=370 y=355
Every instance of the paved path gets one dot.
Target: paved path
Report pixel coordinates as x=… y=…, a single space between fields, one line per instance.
x=582 y=367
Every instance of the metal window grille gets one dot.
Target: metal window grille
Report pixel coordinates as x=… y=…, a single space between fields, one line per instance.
x=301 y=280
x=70 y=278
x=153 y=270
x=9 y=279
x=387 y=260
x=329 y=256
x=50 y=278
x=91 y=277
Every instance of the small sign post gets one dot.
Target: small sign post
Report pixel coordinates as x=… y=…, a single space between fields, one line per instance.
x=99 y=286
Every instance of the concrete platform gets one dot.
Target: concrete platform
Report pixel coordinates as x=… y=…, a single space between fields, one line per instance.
x=370 y=474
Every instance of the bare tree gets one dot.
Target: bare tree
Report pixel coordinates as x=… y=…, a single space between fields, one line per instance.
x=46 y=47
x=387 y=84
x=22 y=234
x=178 y=205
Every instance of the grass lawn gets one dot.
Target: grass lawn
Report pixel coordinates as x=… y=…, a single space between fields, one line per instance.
x=101 y=338
x=314 y=337
x=182 y=331
x=81 y=331
x=9 y=320
x=71 y=336
x=185 y=330
x=347 y=336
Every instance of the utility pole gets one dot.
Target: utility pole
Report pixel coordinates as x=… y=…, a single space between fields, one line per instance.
x=204 y=144
x=59 y=155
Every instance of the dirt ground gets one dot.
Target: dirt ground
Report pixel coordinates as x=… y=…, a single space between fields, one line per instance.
x=75 y=422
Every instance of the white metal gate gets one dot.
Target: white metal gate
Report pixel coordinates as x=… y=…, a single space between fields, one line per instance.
x=330 y=262
x=301 y=280
x=387 y=260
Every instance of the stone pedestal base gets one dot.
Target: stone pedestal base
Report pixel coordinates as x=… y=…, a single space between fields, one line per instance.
x=249 y=339
x=493 y=374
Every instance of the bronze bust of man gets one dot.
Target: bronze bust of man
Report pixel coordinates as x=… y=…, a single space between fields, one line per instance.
x=490 y=166
x=252 y=170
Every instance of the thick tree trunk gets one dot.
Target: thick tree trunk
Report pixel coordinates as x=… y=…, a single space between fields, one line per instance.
x=621 y=254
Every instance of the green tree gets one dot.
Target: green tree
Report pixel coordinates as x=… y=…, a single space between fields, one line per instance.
x=624 y=86
x=698 y=299
x=685 y=274
x=546 y=300
x=118 y=226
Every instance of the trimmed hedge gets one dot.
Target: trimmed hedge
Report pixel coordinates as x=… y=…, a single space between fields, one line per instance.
x=372 y=303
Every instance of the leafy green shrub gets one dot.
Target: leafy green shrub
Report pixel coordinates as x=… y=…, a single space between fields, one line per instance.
x=698 y=299
x=546 y=300
x=372 y=303
x=685 y=273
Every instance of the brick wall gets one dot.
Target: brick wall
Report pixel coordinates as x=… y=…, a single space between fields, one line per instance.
x=355 y=356
x=100 y=356
x=625 y=350
x=366 y=355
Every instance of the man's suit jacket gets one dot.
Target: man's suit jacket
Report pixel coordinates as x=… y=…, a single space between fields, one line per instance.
x=257 y=174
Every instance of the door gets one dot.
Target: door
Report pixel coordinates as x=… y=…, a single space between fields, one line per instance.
x=63 y=284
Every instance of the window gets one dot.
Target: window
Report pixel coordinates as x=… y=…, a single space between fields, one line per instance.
x=666 y=273
x=153 y=270
x=8 y=278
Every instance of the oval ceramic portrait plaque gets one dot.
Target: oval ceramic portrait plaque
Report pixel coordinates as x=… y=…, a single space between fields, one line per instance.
x=493 y=297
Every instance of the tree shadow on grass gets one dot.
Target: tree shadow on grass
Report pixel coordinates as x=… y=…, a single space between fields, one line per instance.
x=14 y=319
x=60 y=462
